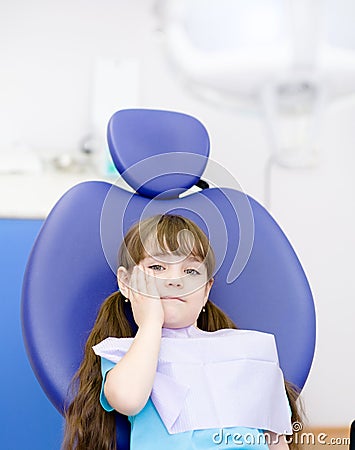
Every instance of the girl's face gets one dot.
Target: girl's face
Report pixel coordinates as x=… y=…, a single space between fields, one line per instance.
x=182 y=285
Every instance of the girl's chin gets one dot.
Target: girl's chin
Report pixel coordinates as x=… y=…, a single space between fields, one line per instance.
x=175 y=322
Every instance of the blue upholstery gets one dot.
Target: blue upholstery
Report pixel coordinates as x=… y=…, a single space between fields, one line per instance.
x=137 y=150
x=72 y=265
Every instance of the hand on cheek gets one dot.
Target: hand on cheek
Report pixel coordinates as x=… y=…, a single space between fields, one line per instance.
x=145 y=300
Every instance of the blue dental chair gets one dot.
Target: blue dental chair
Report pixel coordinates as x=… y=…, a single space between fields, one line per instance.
x=259 y=281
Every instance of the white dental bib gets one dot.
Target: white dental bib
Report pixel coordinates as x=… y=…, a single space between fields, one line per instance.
x=215 y=379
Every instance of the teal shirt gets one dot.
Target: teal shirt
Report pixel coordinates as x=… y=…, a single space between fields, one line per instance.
x=148 y=431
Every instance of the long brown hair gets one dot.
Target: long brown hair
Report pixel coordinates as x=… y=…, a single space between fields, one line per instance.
x=88 y=425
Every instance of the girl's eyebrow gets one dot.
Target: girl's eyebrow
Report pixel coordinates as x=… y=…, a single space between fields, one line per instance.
x=159 y=256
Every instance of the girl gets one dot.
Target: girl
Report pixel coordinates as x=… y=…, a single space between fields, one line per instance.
x=175 y=378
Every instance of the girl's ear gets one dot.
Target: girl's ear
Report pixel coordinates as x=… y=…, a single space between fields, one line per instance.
x=123 y=281
x=208 y=288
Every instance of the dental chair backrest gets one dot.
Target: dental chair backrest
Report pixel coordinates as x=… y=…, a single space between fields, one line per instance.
x=259 y=280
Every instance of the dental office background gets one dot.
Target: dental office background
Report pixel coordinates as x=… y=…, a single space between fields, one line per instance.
x=276 y=95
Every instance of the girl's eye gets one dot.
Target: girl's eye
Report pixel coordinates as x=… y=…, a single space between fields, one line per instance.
x=156 y=267
x=192 y=272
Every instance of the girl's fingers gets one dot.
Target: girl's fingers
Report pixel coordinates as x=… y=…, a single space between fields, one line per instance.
x=138 y=282
x=146 y=281
x=141 y=282
x=151 y=283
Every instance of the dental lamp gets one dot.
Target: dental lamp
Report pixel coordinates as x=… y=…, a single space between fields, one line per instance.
x=269 y=56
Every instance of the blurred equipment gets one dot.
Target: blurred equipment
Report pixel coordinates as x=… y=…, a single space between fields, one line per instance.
x=19 y=158
x=284 y=59
x=115 y=85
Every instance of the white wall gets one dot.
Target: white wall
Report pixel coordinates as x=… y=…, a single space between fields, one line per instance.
x=316 y=209
x=47 y=52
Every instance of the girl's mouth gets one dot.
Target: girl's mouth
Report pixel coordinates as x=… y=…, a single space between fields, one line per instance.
x=172 y=298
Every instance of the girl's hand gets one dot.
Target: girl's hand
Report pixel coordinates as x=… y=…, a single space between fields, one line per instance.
x=144 y=297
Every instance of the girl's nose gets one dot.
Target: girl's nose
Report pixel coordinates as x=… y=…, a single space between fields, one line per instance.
x=174 y=282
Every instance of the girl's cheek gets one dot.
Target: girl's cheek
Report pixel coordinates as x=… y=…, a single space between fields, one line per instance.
x=159 y=282
x=196 y=283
